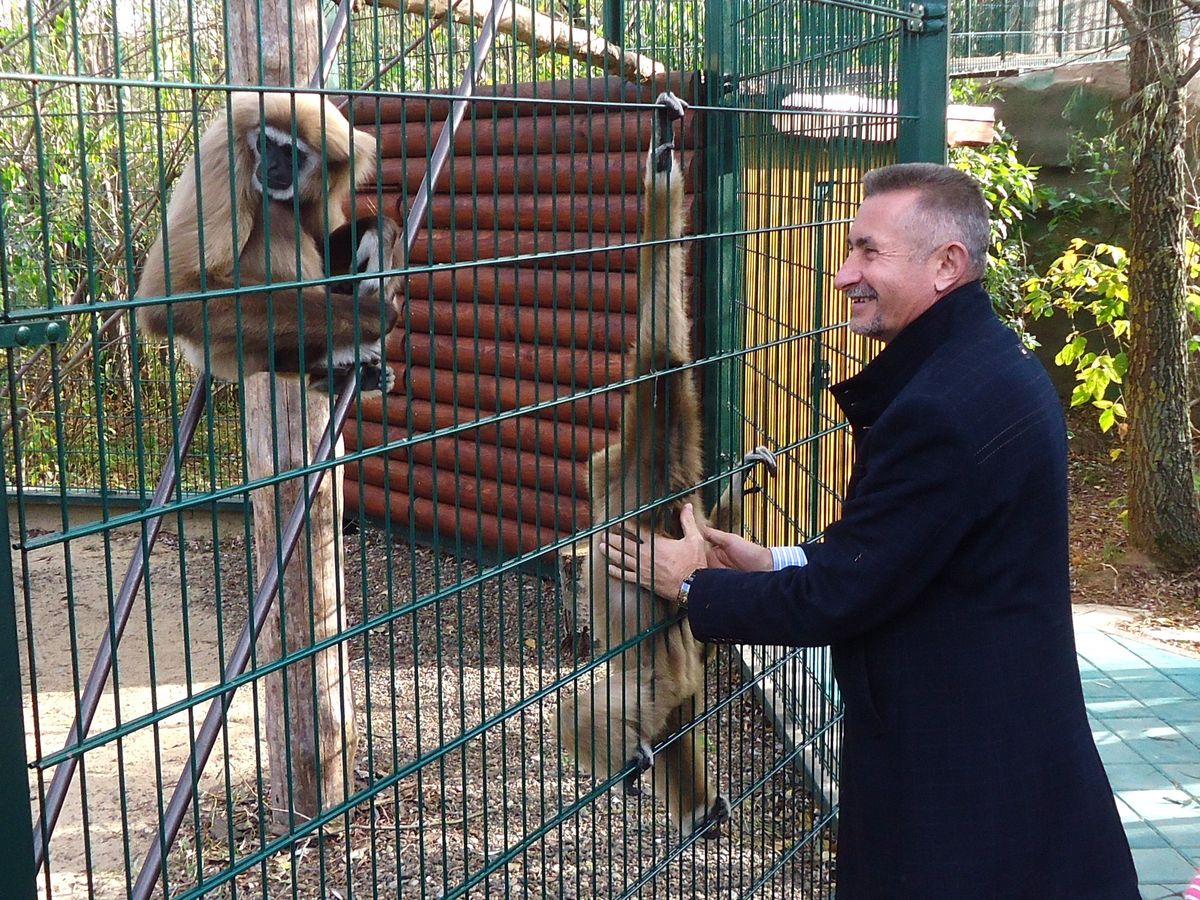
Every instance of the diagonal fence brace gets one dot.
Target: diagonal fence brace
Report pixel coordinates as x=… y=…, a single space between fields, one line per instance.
x=93 y=690
x=123 y=606
x=206 y=738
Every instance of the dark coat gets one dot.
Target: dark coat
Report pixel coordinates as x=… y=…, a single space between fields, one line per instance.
x=968 y=766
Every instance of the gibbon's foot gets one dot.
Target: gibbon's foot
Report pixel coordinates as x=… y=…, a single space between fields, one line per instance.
x=669 y=109
x=717 y=815
x=767 y=460
x=376 y=377
x=372 y=376
x=641 y=761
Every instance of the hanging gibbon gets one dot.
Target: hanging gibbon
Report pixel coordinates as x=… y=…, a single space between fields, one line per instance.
x=656 y=686
x=270 y=181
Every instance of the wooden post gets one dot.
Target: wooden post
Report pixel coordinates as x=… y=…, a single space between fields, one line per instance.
x=312 y=739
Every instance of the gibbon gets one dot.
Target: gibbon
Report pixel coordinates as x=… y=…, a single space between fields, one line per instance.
x=221 y=235
x=655 y=687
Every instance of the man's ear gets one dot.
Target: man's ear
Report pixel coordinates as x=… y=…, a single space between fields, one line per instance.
x=953 y=264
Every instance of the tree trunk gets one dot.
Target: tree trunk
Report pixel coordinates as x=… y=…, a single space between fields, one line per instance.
x=311 y=734
x=1164 y=518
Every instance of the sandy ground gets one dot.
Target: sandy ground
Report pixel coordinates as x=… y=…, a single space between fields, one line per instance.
x=117 y=791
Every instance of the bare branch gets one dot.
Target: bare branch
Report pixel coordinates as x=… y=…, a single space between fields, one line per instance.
x=1127 y=16
x=24 y=37
x=1189 y=73
x=545 y=34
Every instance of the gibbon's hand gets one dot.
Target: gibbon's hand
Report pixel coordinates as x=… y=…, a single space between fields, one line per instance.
x=654 y=562
x=732 y=551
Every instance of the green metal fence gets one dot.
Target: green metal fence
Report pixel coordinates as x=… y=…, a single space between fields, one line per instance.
x=392 y=732
x=993 y=36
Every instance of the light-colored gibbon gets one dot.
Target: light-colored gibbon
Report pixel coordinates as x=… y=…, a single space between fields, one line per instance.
x=656 y=686
x=221 y=235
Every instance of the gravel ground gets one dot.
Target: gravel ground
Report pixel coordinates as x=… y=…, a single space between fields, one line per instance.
x=456 y=705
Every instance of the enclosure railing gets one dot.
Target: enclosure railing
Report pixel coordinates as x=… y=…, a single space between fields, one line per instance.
x=396 y=732
x=990 y=36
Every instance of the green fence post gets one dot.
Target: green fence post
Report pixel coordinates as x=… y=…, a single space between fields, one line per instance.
x=924 y=84
x=16 y=819
x=819 y=378
x=614 y=21
x=722 y=306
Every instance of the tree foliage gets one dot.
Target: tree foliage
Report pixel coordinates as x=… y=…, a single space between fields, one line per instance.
x=1013 y=195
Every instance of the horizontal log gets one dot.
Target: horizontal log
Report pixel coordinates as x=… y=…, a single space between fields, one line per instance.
x=595 y=175
x=485 y=531
x=472 y=496
x=532 y=287
x=475 y=459
x=524 y=99
x=529 y=434
x=630 y=130
x=464 y=391
x=560 y=251
x=617 y=213
x=573 y=369
x=591 y=250
x=563 y=328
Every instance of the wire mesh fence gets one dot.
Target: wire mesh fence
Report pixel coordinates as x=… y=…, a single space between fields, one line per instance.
x=1010 y=35
x=391 y=724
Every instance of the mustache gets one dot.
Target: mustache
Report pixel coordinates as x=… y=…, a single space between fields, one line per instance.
x=861 y=294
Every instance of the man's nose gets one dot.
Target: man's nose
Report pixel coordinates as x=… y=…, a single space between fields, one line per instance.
x=847 y=276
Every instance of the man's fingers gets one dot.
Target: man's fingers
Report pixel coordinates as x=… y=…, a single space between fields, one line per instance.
x=624 y=533
x=715 y=536
x=687 y=521
x=634 y=564
x=627 y=575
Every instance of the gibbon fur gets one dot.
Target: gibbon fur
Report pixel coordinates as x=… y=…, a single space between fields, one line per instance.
x=219 y=234
x=656 y=686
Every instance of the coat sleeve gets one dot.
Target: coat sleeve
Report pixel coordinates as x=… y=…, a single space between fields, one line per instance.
x=913 y=506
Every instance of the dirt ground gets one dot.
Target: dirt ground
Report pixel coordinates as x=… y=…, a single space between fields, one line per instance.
x=1148 y=603
x=473 y=673
x=481 y=651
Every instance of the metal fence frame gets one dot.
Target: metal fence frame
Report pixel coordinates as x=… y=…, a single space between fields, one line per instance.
x=754 y=58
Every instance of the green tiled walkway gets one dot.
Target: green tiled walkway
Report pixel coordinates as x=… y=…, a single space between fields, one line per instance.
x=1144 y=705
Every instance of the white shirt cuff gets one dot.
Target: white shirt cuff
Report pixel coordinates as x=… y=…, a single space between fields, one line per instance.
x=782 y=557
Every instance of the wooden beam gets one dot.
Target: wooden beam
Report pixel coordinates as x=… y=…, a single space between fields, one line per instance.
x=312 y=737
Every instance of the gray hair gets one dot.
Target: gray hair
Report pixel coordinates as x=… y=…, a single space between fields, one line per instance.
x=950 y=207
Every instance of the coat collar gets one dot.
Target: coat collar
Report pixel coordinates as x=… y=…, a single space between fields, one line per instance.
x=865 y=396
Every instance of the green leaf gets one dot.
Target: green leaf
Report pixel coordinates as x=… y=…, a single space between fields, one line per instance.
x=1071 y=351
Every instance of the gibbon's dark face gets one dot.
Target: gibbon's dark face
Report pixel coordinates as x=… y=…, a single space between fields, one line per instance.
x=282 y=163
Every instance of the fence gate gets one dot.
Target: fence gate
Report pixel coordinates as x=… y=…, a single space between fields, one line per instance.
x=179 y=719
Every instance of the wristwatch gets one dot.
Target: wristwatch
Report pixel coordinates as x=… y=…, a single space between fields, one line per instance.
x=681 y=599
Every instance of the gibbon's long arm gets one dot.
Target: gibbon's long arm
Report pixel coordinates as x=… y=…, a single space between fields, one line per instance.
x=654 y=688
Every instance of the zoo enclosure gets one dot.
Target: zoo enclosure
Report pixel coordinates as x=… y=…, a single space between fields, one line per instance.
x=991 y=36
x=456 y=647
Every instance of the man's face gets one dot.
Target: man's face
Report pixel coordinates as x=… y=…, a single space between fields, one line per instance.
x=888 y=284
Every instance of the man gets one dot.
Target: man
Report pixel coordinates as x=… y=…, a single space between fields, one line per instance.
x=968 y=767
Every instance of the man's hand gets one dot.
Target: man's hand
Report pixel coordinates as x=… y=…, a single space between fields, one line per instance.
x=731 y=551
x=657 y=563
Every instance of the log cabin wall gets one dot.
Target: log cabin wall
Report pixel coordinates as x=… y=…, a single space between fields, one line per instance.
x=546 y=181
